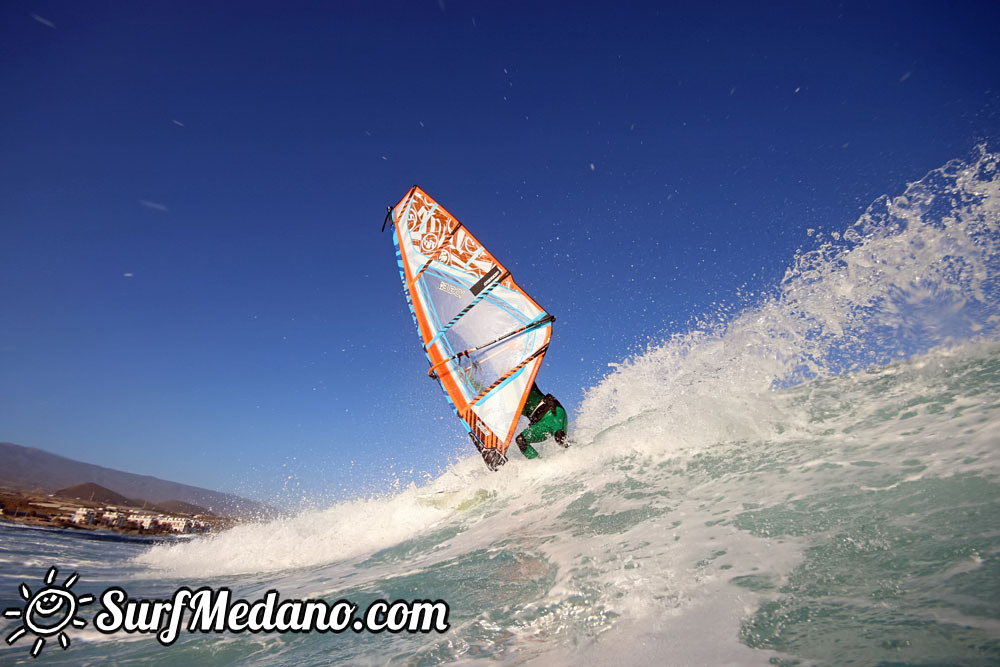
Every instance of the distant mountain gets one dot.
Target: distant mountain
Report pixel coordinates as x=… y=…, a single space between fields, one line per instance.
x=97 y=493
x=180 y=507
x=33 y=469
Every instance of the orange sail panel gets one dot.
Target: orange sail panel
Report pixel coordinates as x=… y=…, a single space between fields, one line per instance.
x=483 y=335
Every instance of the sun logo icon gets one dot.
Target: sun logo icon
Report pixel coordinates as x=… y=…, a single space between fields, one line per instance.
x=47 y=612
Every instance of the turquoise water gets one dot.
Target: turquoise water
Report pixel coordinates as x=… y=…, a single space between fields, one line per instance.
x=812 y=481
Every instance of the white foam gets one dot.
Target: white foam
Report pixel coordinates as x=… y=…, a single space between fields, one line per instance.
x=691 y=432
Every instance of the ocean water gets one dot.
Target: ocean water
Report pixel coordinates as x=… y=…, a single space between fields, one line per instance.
x=809 y=479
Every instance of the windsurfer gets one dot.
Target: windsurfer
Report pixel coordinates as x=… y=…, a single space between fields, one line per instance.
x=545 y=417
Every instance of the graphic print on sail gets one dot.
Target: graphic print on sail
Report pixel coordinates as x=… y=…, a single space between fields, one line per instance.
x=484 y=337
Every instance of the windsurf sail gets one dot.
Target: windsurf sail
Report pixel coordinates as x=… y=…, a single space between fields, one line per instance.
x=483 y=335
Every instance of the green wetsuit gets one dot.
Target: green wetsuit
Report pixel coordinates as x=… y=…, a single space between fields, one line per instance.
x=547 y=417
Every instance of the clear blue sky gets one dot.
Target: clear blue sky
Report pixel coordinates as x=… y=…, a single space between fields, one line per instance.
x=192 y=279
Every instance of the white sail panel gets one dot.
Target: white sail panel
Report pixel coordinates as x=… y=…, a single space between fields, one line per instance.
x=483 y=335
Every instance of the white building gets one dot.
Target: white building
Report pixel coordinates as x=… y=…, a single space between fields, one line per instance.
x=83 y=516
x=145 y=521
x=176 y=524
x=113 y=519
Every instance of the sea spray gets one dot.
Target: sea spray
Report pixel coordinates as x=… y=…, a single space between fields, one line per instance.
x=914 y=272
x=812 y=478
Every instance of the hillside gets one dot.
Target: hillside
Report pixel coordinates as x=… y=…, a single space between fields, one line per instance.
x=180 y=507
x=31 y=469
x=97 y=494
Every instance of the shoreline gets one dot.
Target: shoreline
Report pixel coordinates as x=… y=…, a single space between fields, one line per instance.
x=48 y=510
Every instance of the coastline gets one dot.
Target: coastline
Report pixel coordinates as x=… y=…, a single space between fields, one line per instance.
x=49 y=510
